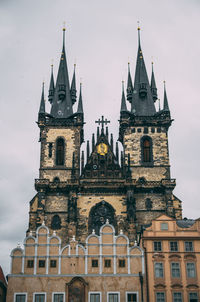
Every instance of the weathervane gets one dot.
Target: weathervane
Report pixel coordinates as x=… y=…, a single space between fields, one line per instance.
x=102 y=122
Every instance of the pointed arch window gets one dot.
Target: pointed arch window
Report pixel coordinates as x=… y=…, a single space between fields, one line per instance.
x=146 y=150
x=56 y=222
x=60 y=146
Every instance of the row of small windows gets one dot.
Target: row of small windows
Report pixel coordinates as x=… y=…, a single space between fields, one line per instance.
x=147 y=130
x=175 y=270
x=93 y=297
x=111 y=297
x=173 y=246
x=107 y=263
x=177 y=297
x=95 y=263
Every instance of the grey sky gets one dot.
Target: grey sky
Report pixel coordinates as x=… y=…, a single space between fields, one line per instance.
x=101 y=38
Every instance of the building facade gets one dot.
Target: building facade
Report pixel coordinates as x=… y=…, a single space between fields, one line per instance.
x=80 y=194
x=172 y=259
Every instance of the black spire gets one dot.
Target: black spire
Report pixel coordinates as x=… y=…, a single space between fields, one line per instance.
x=166 y=105
x=142 y=101
x=42 y=102
x=129 y=89
x=73 y=87
x=153 y=86
x=51 y=87
x=62 y=103
x=80 y=102
x=123 y=100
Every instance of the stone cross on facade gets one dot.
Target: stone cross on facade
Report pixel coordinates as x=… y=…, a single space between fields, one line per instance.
x=102 y=122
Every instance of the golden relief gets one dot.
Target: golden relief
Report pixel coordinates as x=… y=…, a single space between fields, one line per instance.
x=102 y=149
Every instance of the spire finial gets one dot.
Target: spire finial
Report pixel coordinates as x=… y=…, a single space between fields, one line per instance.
x=64 y=29
x=138 y=22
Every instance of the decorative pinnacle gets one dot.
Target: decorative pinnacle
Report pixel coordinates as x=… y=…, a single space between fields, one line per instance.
x=138 y=22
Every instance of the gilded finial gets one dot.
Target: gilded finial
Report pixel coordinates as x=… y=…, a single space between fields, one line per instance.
x=138 y=22
x=64 y=26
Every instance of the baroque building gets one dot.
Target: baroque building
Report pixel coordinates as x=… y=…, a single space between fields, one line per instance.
x=86 y=220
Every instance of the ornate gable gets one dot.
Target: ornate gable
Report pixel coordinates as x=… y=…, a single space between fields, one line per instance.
x=102 y=162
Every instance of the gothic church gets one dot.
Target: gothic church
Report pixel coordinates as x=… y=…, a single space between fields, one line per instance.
x=90 y=209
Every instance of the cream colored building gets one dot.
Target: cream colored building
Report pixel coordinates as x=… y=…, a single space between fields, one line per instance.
x=106 y=268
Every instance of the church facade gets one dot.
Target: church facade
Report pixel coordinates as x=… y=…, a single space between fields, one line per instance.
x=84 y=240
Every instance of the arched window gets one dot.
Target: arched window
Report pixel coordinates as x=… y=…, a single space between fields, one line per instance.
x=56 y=223
x=146 y=146
x=98 y=216
x=60 y=152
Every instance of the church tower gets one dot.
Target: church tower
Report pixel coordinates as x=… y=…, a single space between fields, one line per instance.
x=61 y=136
x=144 y=135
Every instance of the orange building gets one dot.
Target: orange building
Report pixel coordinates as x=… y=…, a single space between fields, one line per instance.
x=172 y=260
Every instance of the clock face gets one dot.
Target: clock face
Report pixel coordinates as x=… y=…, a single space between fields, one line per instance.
x=102 y=149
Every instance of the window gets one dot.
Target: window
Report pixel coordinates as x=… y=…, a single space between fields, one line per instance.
x=189 y=246
x=94 y=297
x=41 y=263
x=175 y=270
x=56 y=222
x=131 y=297
x=190 y=267
x=94 y=263
x=39 y=297
x=50 y=149
x=113 y=297
x=164 y=226
x=173 y=246
x=160 y=297
x=52 y=263
x=20 y=297
x=107 y=263
x=58 y=297
x=177 y=297
x=193 y=297
x=146 y=149
x=122 y=263
x=30 y=263
x=157 y=246
x=158 y=270
x=60 y=152
x=148 y=204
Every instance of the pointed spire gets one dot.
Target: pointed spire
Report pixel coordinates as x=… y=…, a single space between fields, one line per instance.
x=93 y=141
x=129 y=89
x=80 y=102
x=62 y=103
x=73 y=86
x=51 y=86
x=153 y=85
x=117 y=152
x=97 y=133
x=88 y=150
x=166 y=105
x=42 y=102
x=142 y=101
x=111 y=141
x=123 y=100
x=82 y=161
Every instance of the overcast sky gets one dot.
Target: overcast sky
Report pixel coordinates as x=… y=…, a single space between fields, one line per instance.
x=101 y=38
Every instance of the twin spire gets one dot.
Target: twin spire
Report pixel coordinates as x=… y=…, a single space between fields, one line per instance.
x=62 y=96
x=142 y=95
